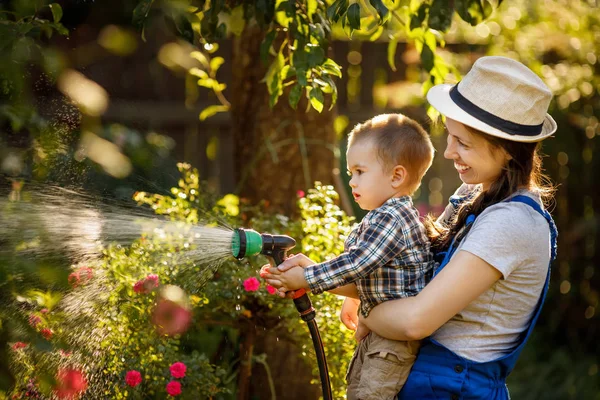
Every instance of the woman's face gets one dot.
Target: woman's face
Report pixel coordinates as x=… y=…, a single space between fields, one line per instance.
x=475 y=159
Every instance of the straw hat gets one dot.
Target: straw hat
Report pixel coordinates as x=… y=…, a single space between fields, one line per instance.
x=498 y=96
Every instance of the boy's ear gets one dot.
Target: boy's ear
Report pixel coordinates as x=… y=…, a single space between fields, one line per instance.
x=399 y=175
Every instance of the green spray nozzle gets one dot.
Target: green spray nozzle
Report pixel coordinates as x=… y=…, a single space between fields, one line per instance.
x=248 y=242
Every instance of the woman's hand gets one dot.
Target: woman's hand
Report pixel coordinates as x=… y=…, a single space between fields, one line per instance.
x=349 y=313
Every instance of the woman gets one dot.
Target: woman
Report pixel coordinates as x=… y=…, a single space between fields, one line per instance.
x=495 y=237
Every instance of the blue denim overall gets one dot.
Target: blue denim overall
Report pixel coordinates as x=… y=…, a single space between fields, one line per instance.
x=438 y=373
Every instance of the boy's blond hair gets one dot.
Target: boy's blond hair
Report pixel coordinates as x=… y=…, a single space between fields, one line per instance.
x=399 y=140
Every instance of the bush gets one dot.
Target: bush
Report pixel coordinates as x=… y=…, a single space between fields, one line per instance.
x=118 y=325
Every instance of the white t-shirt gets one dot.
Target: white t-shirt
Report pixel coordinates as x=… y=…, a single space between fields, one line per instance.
x=515 y=239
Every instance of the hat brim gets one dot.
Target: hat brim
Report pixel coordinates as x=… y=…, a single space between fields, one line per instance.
x=439 y=97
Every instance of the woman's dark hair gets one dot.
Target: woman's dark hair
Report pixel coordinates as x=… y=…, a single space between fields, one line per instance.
x=523 y=170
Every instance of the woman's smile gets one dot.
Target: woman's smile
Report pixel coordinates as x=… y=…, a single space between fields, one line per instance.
x=461 y=168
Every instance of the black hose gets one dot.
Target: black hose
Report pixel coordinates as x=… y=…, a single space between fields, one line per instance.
x=308 y=314
x=320 y=353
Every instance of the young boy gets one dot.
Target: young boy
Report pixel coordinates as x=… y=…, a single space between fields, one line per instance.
x=387 y=256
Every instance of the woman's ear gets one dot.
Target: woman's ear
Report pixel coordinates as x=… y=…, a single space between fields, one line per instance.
x=399 y=176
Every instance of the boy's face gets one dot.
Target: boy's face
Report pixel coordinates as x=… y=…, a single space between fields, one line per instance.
x=370 y=181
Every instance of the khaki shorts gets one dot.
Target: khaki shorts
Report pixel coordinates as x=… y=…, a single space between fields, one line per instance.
x=380 y=367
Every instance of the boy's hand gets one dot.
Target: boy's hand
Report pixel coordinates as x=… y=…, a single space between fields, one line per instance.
x=348 y=313
x=298 y=260
x=291 y=279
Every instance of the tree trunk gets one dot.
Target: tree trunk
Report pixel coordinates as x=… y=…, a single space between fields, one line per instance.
x=277 y=151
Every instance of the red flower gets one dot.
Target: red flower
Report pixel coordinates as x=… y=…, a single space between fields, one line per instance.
x=19 y=346
x=251 y=284
x=171 y=318
x=147 y=284
x=64 y=353
x=178 y=370
x=34 y=320
x=271 y=289
x=173 y=388
x=133 y=378
x=47 y=333
x=300 y=193
x=70 y=383
x=81 y=276
x=151 y=281
x=138 y=287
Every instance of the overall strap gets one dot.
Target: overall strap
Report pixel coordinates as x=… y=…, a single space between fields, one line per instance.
x=453 y=245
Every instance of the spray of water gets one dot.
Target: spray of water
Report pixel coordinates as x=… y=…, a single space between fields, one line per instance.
x=60 y=221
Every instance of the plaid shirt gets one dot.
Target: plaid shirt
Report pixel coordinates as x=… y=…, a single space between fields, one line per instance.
x=387 y=255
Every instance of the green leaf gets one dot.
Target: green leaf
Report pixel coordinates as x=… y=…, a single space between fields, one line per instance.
x=333 y=10
x=472 y=11
x=198 y=72
x=353 y=16
x=57 y=11
x=316 y=56
x=333 y=90
x=316 y=99
x=416 y=20
x=382 y=10
x=140 y=13
x=301 y=74
x=300 y=59
x=294 y=96
x=391 y=53
x=266 y=45
x=212 y=110
x=273 y=98
x=200 y=57
x=215 y=63
x=440 y=15
x=427 y=57
x=332 y=68
x=377 y=34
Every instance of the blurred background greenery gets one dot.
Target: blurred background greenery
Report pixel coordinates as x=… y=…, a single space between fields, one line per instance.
x=106 y=96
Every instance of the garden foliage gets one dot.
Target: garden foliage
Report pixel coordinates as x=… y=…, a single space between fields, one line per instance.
x=133 y=324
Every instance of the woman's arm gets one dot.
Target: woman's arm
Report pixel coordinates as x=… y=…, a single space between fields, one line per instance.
x=349 y=290
x=464 y=279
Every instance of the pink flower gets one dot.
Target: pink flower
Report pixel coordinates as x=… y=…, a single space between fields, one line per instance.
x=19 y=346
x=177 y=370
x=171 y=318
x=300 y=193
x=251 y=284
x=64 y=353
x=271 y=289
x=147 y=284
x=173 y=388
x=47 y=333
x=151 y=281
x=133 y=378
x=80 y=276
x=44 y=311
x=34 y=320
x=70 y=383
x=138 y=287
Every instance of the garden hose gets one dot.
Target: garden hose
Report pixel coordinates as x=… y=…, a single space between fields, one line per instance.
x=247 y=242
